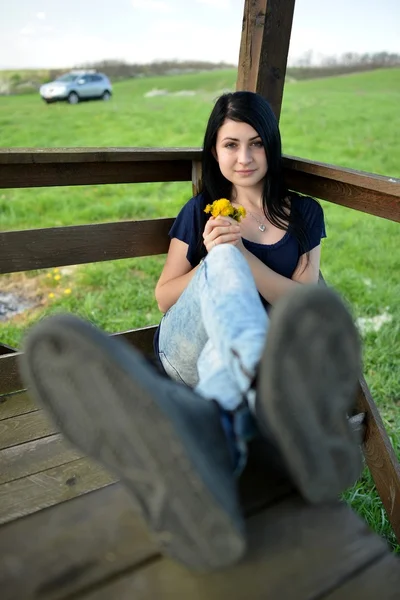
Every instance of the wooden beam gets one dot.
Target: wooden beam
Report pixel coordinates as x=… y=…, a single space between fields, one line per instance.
x=33 y=493
x=12 y=405
x=267 y=25
x=251 y=44
x=10 y=379
x=37 y=156
x=196 y=177
x=59 y=246
x=380 y=457
x=379 y=454
x=374 y=194
x=377 y=195
x=81 y=173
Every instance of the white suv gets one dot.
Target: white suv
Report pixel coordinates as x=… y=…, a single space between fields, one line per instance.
x=76 y=86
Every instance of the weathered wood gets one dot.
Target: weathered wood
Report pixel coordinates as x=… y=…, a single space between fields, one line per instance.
x=196 y=177
x=378 y=451
x=342 y=186
x=251 y=44
x=361 y=180
x=24 y=428
x=64 y=549
x=59 y=246
x=33 y=493
x=15 y=404
x=274 y=52
x=10 y=378
x=264 y=48
x=38 y=156
x=379 y=196
x=33 y=457
x=380 y=580
x=380 y=457
x=87 y=539
x=296 y=552
x=91 y=173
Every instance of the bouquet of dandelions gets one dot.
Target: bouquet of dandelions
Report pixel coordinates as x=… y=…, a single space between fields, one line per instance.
x=223 y=208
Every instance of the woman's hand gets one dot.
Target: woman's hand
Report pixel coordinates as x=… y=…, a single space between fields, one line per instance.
x=221 y=230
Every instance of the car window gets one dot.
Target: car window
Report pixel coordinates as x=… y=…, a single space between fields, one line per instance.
x=66 y=78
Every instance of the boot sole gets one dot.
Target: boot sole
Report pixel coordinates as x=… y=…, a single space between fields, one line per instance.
x=108 y=402
x=308 y=379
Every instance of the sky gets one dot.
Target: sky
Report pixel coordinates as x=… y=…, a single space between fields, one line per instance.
x=59 y=33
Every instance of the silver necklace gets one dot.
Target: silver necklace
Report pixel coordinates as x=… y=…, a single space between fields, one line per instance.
x=261 y=225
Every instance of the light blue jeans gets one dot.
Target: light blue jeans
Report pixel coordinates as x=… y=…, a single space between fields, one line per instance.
x=213 y=337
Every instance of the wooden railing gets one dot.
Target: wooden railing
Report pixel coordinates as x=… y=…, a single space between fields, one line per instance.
x=59 y=246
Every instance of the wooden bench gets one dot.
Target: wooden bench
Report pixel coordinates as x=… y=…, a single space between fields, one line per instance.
x=68 y=528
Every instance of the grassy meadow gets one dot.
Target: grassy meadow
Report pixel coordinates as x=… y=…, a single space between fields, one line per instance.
x=352 y=121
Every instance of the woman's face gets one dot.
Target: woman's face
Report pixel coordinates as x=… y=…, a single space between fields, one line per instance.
x=240 y=154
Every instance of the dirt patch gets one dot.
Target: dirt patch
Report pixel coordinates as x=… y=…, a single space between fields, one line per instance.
x=12 y=304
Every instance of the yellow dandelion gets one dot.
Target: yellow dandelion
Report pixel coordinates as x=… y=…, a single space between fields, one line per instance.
x=57 y=277
x=224 y=208
x=49 y=275
x=51 y=295
x=56 y=270
x=67 y=291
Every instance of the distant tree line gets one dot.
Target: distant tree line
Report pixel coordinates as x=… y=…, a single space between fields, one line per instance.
x=118 y=69
x=349 y=59
x=26 y=81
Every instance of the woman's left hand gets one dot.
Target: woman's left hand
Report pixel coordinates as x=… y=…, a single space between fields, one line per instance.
x=239 y=242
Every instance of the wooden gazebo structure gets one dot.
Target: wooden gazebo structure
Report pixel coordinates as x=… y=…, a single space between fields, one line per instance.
x=67 y=529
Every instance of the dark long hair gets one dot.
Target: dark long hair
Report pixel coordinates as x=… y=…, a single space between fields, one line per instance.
x=253 y=109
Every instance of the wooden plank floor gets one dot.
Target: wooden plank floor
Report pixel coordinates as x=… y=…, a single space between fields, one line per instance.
x=68 y=530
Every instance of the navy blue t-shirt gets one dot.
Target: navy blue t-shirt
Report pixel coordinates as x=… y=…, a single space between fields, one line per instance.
x=282 y=257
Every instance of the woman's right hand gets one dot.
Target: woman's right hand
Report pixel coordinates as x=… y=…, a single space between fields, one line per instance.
x=221 y=230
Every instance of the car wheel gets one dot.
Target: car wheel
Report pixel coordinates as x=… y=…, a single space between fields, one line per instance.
x=73 y=98
x=106 y=96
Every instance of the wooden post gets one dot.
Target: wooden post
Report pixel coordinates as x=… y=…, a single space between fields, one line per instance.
x=264 y=47
x=380 y=457
x=196 y=177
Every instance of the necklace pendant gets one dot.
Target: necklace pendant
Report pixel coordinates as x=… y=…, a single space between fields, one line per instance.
x=261 y=227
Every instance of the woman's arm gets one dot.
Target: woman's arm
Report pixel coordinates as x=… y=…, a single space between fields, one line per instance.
x=175 y=276
x=273 y=286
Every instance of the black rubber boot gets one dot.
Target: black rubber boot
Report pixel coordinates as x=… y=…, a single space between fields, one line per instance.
x=165 y=443
x=306 y=388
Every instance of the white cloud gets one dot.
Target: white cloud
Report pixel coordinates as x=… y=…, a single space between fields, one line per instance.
x=216 y=3
x=41 y=16
x=28 y=30
x=153 y=5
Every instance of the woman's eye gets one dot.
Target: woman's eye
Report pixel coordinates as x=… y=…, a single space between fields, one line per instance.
x=258 y=144
x=230 y=145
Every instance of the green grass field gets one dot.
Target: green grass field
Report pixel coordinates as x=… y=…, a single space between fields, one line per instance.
x=352 y=121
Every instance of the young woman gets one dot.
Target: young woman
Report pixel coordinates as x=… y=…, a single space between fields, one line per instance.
x=279 y=238
x=288 y=376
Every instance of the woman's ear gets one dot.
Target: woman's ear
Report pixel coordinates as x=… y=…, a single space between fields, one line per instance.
x=214 y=153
